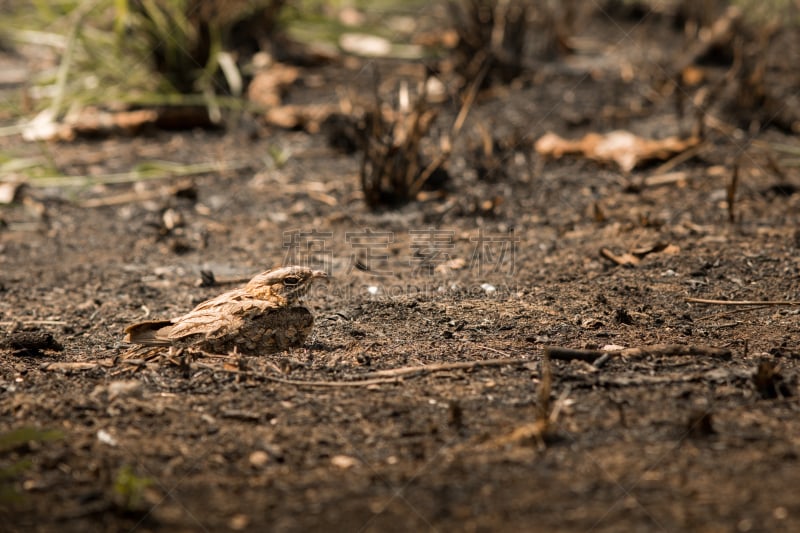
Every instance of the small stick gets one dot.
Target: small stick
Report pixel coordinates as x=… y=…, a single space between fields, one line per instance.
x=623 y=260
x=440 y=367
x=568 y=354
x=682 y=157
x=742 y=302
x=68 y=366
x=392 y=375
x=666 y=178
x=300 y=382
x=733 y=312
x=359 y=383
x=730 y=191
x=546 y=413
x=34 y=323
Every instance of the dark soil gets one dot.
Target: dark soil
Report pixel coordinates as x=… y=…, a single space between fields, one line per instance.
x=660 y=443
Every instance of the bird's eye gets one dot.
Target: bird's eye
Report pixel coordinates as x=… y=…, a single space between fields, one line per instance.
x=291 y=280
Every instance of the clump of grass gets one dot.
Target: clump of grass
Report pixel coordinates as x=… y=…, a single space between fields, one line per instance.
x=129 y=489
x=491 y=34
x=139 y=52
x=393 y=166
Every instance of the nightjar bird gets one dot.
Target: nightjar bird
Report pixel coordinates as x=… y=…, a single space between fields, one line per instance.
x=265 y=316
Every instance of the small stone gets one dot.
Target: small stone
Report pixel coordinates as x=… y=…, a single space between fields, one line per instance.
x=259 y=458
x=343 y=461
x=239 y=522
x=106 y=438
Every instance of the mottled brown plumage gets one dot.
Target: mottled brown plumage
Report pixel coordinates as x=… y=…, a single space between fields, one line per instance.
x=265 y=316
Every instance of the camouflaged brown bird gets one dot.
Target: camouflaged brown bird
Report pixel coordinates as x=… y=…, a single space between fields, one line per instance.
x=265 y=316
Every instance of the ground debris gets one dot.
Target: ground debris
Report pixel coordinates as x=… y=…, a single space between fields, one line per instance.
x=655 y=350
x=621 y=147
x=27 y=342
x=769 y=381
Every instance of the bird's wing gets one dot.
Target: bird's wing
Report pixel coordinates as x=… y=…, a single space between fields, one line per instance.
x=216 y=318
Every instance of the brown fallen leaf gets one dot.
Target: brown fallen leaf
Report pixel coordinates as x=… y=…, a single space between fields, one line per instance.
x=621 y=147
x=268 y=86
x=625 y=259
x=634 y=257
x=307 y=117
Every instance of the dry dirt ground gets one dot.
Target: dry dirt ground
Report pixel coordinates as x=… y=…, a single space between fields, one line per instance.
x=295 y=442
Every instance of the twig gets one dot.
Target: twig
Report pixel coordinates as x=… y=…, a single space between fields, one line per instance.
x=716 y=375
x=667 y=178
x=626 y=259
x=733 y=186
x=300 y=382
x=360 y=383
x=441 y=367
x=733 y=312
x=392 y=375
x=69 y=366
x=538 y=431
x=568 y=354
x=682 y=157
x=543 y=392
x=33 y=323
x=742 y=302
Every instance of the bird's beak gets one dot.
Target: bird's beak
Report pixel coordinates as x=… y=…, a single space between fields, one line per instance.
x=319 y=274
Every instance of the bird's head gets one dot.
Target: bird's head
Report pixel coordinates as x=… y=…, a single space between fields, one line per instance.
x=285 y=285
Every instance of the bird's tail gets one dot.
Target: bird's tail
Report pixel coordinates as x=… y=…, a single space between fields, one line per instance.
x=150 y=333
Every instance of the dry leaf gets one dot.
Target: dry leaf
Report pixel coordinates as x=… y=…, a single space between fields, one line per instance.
x=621 y=147
x=625 y=259
x=633 y=257
x=308 y=117
x=268 y=86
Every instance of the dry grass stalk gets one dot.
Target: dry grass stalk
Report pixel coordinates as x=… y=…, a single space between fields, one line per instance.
x=491 y=34
x=393 y=150
x=394 y=168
